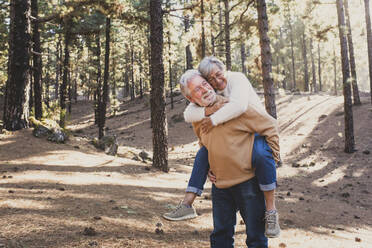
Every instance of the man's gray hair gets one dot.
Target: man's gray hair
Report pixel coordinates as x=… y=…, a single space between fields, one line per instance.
x=207 y=65
x=186 y=78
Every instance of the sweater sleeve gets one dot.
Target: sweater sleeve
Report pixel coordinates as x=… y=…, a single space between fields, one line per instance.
x=238 y=100
x=193 y=113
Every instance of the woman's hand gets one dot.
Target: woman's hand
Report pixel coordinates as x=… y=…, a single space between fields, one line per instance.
x=206 y=125
x=212 y=177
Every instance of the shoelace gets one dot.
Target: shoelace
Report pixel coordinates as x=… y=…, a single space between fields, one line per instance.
x=270 y=220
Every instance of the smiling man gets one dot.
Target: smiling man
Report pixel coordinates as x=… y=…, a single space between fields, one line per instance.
x=232 y=149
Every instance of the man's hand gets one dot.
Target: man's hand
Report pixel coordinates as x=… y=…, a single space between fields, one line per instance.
x=212 y=109
x=206 y=125
x=212 y=177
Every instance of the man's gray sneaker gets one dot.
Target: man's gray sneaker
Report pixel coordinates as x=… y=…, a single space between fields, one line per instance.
x=182 y=212
x=272 y=228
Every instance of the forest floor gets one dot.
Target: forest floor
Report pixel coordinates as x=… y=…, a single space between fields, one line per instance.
x=73 y=195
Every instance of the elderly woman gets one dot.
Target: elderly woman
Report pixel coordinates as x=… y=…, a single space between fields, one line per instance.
x=241 y=95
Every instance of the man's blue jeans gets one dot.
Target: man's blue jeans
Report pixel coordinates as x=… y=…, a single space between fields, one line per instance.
x=249 y=200
x=262 y=160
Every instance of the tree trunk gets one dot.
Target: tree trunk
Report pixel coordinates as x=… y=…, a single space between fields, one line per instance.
x=170 y=71
x=132 y=92
x=335 y=72
x=369 y=42
x=16 y=109
x=105 y=89
x=141 y=72
x=99 y=80
x=306 y=68
x=313 y=83
x=188 y=50
x=211 y=30
x=352 y=57
x=37 y=62
x=263 y=27
x=227 y=36
x=348 y=111
x=47 y=79
x=160 y=130
x=58 y=67
x=203 y=29
x=243 y=56
x=319 y=69
x=69 y=93
x=294 y=86
x=66 y=71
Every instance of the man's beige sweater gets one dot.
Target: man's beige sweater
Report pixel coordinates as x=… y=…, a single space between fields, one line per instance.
x=230 y=145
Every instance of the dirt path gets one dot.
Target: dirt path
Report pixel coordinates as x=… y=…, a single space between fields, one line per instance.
x=51 y=194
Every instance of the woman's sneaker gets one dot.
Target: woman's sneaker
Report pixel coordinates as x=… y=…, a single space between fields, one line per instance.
x=272 y=228
x=182 y=212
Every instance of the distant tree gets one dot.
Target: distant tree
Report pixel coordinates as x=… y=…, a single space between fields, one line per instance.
x=105 y=88
x=313 y=82
x=369 y=42
x=306 y=67
x=352 y=57
x=159 y=120
x=16 y=104
x=188 y=48
x=227 y=35
x=263 y=28
x=348 y=111
x=66 y=70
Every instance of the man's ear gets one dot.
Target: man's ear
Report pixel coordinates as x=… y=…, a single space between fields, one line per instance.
x=190 y=99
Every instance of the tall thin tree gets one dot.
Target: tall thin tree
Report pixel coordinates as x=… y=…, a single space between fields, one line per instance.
x=348 y=111
x=266 y=58
x=37 y=62
x=369 y=42
x=227 y=35
x=105 y=88
x=354 y=83
x=159 y=119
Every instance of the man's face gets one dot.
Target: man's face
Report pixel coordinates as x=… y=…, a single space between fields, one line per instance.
x=217 y=79
x=202 y=92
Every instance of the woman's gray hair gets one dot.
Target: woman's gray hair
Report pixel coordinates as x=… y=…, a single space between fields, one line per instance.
x=185 y=79
x=207 y=65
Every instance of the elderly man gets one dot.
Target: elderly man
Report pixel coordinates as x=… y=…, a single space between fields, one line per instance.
x=230 y=148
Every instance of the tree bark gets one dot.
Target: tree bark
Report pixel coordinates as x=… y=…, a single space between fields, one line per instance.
x=105 y=89
x=243 y=56
x=99 y=80
x=203 y=29
x=37 y=62
x=66 y=71
x=263 y=27
x=227 y=35
x=313 y=83
x=352 y=57
x=132 y=92
x=160 y=129
x=294 y=86
x=319 y=68
x=188 y=50
x=348 y=111
x=369 y=42
x=335 y=72
x=58 y=67
x=306 y=67
x=170 y=71
x=16 y=109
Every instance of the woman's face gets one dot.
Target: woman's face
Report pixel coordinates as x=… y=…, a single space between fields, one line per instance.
x=217 y=79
